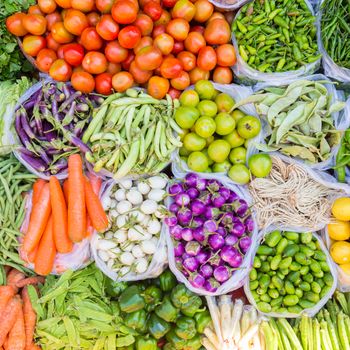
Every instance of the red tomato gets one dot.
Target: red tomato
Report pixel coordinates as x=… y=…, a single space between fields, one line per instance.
x=75 y=21
x=130 y=58
x=169 y=3
x=158 y=87
x=113 y=68
x=34 y=24
x=66 y=4
x=184 y=9
x=153 y=9
x=144 y=23
x=93 y=18
x=174 y=93
x=60 y=52
x=52 y=43
x=187 y=59
x=91 y=40
x=164 y=18
x=35 y=10
x=83 y=5
x=129 y=36
x=122 y=81
x=197 y=74
x=140 y=76
x=178 y=47
x=194 y=42
x=204 y=9
x=61 y=34
x=222 y=75
x=107 y=28
x=60 y=70
x=104 y=6
x=170 y=68
x=216 y=15
x=73 y=54
x=124 y=11
x=144 y=42
x=165 y=43
x=32 y=44
x=104 y=83
x=47 y=6
x=95 y=62
x=83 y=81
x=181 y=82
x=115 y=53
x=178 y=28
x=157 y=30
x=53 y=18
x=149 y=58
x=206 y=58
x=144 y=2
x=15 y=25
x=45 y=58
x=226 y=55
x=198 y=29
x=217 y=32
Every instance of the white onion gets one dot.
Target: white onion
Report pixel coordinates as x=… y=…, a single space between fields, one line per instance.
x=126 y=184
x=134 y=197
x=154 y=226
x=127 y=258
x=148 y=247
x=123 y=207
x=121 y=236
x=157 y=182
x=156 y=194
x=120 y=194
x=143 y=187
x=149 y=206
x=141 y=265
x=138 y=252
x=121 y=221
x=103 y=255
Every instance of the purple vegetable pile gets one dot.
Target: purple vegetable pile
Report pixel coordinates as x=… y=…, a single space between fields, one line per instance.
x=211 y=228
x=50 y=125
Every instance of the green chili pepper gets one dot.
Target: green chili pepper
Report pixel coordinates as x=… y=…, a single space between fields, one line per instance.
x=166 y=310
x=158 y=327
x=131 y=300
x=203 y=319
x=167 y=281
x=143 y=343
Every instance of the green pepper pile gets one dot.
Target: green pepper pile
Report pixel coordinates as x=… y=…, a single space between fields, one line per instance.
x=343 y=157
x=276 y=35
x=161 y=310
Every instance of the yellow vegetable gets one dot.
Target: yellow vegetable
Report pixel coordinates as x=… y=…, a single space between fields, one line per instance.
x=339 y=230
x=341 y=209
x=345 y=268
x=340 y=252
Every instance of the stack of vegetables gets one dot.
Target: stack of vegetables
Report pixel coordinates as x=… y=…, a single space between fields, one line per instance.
x=343 y=157
x=59 y=220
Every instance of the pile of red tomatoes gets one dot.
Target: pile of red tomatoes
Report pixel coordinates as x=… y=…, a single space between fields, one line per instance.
x=114 y=44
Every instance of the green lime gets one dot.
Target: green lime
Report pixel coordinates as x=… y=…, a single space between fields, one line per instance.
x=184 y=152
x=207 y=108
x=193 y=142
x=219 y=150
x=234 y=139
x=210 y=161
x=239 y=173
x=185 y=117
x=224 y=102
x=205 y=127
x=248 y=126
x=225 y=123
x=260 y=164
x=238 y=155
x=237 y=115
x=222 y=167
x=205 y=89
x=189 y=98
x=197 y=161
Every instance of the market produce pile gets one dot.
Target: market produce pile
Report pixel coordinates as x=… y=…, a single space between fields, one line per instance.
x=174 y=175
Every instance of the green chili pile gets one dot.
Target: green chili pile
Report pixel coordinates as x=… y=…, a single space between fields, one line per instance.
x=335 y=30
x=343 y=157
x=14 y=182
x=276 y=35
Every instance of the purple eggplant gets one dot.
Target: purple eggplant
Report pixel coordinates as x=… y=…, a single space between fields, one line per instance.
x=170 y=220
x=192 y=192
x=198 y=234
x=175 y=232
x=175 y=189
x=174 y=208
x=201 y=184
x=218 y=200
x=249 y=224
x=203 y=256
x=197 y=207
x=192 y=248
x=187 y=234
x=222 y=274
x=245 y=243
x=184 y=216
x=197 y=280
x=231 y=240
x=211 y=285
x=35 y=163
x=191 y=180
x=190 y=264
x=197 y=221
x=179 y=249
x=206 y=271
x=182 y=199
x=216 y=241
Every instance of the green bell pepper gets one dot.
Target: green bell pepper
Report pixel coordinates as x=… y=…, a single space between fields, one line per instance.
x=177 y=342
x=185 y=327
x=185 y=300
x=167 y=311
x=146 y=344
x=131 y=299
x=136 y=319
x=153 y=297
x=158 y=327
x=194 y=343
x=114 y=289
x=167 y=281
x=167 y=346
x=203 y=319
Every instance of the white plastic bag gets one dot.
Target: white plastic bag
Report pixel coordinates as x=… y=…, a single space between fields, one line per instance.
x=228 y=5
x=331 y=69
x=249 y=76
x=341 y=119
x=312 y=311
x=238 y=277
x=155 y=268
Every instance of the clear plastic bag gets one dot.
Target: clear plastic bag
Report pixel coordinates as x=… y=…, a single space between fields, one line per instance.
x=159 y=259
x=238 y=277
x=331 y=69
x=249 y=76
x=341 y=119
x=314 y=310
x=228 y=5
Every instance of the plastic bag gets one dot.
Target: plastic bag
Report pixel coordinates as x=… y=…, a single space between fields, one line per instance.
x=237 y=92
x=77 y=259
x=314 y=310
x=238 y=278
x=155 y=268
x=228 y=5
x=331 y=69
x=341 y=119
x=249 y=76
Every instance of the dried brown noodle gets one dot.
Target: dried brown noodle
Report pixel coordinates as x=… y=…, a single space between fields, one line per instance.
x=290 y=197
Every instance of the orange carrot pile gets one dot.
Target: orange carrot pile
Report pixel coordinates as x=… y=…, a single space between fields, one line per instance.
x=62 y=215
x=17 y=316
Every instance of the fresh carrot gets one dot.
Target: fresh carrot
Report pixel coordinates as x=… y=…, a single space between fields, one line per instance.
x=30 y=280
x=96 y=213
x=39 y=216
x=14 y=277
x=45 y=256
x=6 y=343
x=28 y=257
x=9 y=317
x=96 y=182
x=76 y=199
x=29 y=318
x=89 y=227
x=65 y=190
x=17 y=337
x=6 y=294
x=37 y=187
x=59 y=217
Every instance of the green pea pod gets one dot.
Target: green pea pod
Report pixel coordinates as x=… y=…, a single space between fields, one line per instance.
x=157 y=327
x=167 y=311
x=203 y=319
x=131 y=300
x=167 y=281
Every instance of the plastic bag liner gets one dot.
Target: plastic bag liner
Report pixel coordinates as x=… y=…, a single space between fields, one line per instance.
x=238 y=278
x=77 y=259
x=331 y=69
x=341 y=119
x=249 y=76
x=237 y=92
x=155 y=268
x=309 y=312
x=228 y=5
